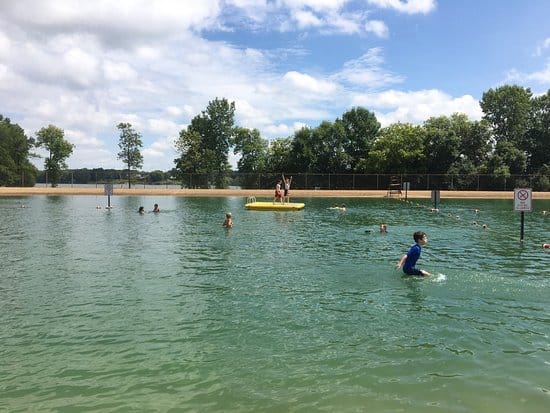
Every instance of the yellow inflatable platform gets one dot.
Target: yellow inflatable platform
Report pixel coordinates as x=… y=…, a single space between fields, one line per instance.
x=270 y=206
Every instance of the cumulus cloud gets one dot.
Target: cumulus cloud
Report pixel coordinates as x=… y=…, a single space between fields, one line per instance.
x=415 y=107
x=309 y=83
x=87 y=66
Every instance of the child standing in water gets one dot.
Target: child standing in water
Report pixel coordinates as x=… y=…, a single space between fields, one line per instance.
x=228 y=223
x=410 y=258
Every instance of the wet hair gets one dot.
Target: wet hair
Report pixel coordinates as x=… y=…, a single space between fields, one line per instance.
x=228 y=215
x=418 y=235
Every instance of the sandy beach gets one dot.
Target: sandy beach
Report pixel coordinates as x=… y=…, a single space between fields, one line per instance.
x=258 y=193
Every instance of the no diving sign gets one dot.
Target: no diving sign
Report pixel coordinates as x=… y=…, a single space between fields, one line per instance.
x=522 y=199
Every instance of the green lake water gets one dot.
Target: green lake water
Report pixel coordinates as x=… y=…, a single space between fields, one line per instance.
x=112 y=311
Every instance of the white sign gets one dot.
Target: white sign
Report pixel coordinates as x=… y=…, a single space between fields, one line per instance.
x=522 y=199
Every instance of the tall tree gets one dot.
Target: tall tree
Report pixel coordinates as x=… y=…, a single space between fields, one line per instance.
x=361 y=128
x=206 y=141
x=329 y=144
x=15 y=167
x=130 y=145
x=398 y=149
x=442 y=144
x=215 y=126
x=252 y=148
x=538 y=134
x=278 y=155
x=52 y=139
x=507 y=110
x=303 y=153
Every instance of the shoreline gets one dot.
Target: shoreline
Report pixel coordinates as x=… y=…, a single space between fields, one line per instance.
x=258 y=193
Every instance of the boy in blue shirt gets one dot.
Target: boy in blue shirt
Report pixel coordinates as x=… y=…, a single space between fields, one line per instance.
x=413 y=255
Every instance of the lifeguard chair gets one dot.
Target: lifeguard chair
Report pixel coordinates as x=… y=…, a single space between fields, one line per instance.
x=395 y=186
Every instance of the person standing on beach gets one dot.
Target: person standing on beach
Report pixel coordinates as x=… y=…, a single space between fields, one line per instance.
x=287 y=182
x=410 y=258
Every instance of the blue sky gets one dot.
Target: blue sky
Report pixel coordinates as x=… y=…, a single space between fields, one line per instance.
x=286 y=63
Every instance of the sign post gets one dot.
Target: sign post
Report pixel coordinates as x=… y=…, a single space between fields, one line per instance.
x=406 y=187
x=108 y=190
x=522 y=203
x=436 y=196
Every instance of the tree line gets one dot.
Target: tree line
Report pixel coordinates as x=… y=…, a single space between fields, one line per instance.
x=512 y=138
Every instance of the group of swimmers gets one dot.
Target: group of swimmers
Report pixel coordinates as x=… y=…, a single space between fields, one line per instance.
x=156 y=208
x=407 y=261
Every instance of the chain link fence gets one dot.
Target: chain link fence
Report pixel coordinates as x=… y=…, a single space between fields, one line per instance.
x=239 y=180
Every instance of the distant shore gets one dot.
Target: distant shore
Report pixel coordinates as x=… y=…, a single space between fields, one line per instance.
x=258 y=193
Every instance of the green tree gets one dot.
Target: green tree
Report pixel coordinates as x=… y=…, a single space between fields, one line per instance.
x=361 y=128
x=399 y=148
x=252 y=148
x=329 y=143
x=194 y=160
x=507 y=110
x=204 y=146
x=303 y=153
x=130 y=145
x=278 y=155
x=475 y=147
x=442 y=144
x=538 y=134
x=215 y=127
x=475 y=140
x=52 y=139
x=15 y=167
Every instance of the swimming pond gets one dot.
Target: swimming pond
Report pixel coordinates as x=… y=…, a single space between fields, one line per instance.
x=109 y=310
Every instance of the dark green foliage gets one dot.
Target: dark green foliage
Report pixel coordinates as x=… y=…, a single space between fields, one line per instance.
x=52 y=139
x=15 y=167
x=204 y=145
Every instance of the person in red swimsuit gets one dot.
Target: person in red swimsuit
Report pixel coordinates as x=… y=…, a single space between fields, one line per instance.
x=278 y=194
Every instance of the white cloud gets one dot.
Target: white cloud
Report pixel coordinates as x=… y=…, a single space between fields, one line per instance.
x=367 y=71
x=309 y=84
x=541 y=76
x=86 y=67
x=540 y=50
x=163 y=127
x=377 y=27
x=118 y=71
x=159 y=155
x=307 y=19
x=406 y=6
x=415 y=107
